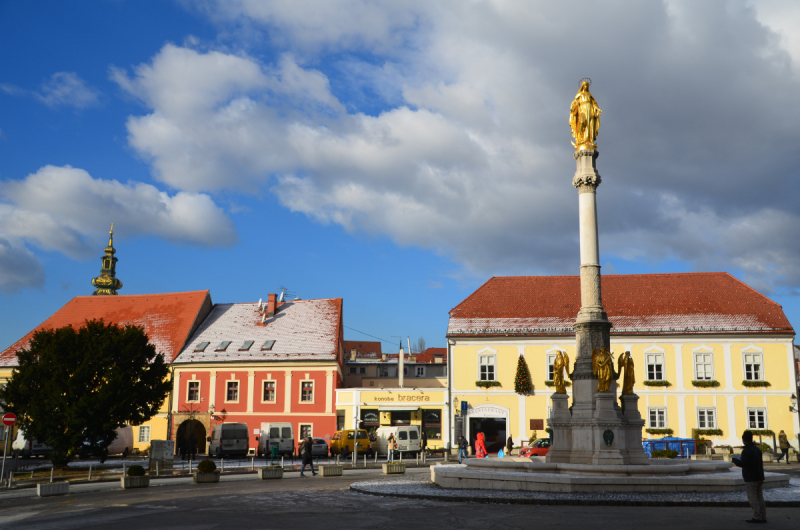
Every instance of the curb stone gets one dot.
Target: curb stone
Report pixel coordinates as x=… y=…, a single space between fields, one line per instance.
x=576 y=502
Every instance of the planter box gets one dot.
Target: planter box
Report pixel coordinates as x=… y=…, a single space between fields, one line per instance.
x=206 y=478
x=767 y=457
x=394 y=469
x=330 y=471
x=54 y=488
x=134 y=482
x=269 y=472
x=701 y=457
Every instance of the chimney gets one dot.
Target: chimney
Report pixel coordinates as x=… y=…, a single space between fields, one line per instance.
x=271 y=300
x=352 y=355
x=383 y=357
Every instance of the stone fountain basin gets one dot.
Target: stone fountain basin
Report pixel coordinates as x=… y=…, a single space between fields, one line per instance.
x=660 y=476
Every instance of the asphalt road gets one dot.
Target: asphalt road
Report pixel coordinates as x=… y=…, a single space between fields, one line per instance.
x=326 y=503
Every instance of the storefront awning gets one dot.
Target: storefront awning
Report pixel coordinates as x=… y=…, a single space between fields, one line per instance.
x=397 y=409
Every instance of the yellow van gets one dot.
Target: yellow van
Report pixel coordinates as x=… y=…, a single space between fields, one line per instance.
x=342 y=442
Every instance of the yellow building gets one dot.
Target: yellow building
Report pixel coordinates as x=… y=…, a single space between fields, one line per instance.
x=712 y=356
x=375 y=394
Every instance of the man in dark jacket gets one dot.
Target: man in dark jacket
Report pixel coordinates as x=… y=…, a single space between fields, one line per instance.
x=753 y=475
x=305 y=452
x=462 y=448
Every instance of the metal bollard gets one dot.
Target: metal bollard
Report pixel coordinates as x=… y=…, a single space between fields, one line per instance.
x=281 y=462
x=90 y=472
x=31 y=474
x=376 y=457
x=365 y=460
x=156 y=468
x=222 y=465
x=253 y=464
x=401 y=457
x=124 y=469
x=52 y=469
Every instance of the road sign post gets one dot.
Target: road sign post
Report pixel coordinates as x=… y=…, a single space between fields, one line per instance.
x=9 y=419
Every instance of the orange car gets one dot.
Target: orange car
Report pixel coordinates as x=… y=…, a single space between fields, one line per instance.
x=539 y=448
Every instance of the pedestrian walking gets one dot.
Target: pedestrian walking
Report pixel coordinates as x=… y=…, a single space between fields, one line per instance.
x=423 y=441
x=305 y=452
x=753 y=474
x=509 y=445
x=480 y=447
x=783 y=443
x=462 y=448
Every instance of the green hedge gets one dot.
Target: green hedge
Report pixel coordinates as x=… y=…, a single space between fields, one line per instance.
x=755 y=384
x=664 y=453
x=709 y=432
x=206 y=466
x=656 y=383
x=552 y=383
x=136 y=471
x=705 y=384
x=487 y=384
x=667 y=432
x=762 y=432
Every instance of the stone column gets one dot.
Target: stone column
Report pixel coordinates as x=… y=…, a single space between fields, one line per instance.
x=592 y=328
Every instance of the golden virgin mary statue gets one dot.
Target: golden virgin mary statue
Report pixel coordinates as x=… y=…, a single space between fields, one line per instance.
x=584 y=118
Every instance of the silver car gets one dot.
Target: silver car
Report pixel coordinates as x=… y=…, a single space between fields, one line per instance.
x=319 y=447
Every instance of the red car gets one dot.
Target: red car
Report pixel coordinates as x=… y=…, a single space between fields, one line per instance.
x=539 y=448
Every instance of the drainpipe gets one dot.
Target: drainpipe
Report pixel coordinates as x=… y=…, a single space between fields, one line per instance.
x=169 y=409
x=448 y=399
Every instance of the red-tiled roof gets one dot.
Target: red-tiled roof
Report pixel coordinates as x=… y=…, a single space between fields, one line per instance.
x=431 y=353
x=168 y=318
x=706 y=302
x=364 y=348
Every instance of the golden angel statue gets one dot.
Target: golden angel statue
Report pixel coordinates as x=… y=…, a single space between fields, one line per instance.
x=626 y=361
x=560 y=364
x=603 y=364
x=584 y=118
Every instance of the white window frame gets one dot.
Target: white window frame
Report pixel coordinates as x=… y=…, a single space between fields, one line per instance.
x=754 y=412
x=703 y=411
x=274 y=390
x=490 y=356
x=238 y=391
x=752 y=350
x=188 y=391
x=659 y=411
x=313 y=392
x=143 y=435
x=550 y=359
x=655 y=351
x=695 y=355
x=310 y=430
x=419 y=371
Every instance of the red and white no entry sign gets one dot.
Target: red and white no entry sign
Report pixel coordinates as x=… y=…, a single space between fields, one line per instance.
x=9 y=419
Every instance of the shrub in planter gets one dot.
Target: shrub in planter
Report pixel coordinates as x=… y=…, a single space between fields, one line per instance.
x=206 y=466
x=136 y=471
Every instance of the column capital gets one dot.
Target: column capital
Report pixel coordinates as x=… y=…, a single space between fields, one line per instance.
x=587 y=183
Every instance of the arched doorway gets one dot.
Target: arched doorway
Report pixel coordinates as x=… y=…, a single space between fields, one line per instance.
x=190 y=432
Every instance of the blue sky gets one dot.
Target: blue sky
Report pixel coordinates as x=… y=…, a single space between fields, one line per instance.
x=396 y=155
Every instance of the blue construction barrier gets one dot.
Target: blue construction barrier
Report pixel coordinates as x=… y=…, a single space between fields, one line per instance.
x=684 y=446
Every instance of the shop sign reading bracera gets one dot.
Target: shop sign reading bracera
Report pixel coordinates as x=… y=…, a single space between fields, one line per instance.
x=403 y=397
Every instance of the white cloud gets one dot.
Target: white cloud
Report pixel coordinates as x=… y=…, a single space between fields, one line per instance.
x=69 y=90
x=64 y=208
x=472 y=156
x=19 y=268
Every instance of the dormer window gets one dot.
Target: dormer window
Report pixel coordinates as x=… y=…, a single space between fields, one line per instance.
x=246 y=345
x=201 y=347
x=223 y=345
x=267 y=345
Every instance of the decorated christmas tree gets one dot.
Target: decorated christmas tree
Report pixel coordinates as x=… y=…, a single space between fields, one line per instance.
x=522 y=381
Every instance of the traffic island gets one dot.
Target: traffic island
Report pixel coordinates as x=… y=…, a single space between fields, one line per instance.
x=331 y=470
x=394 y=468
x=270 y=472
x=52 y=489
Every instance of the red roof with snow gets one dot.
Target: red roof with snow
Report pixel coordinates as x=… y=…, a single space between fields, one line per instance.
x=364 y=348
x=703 y=302
x=168 y=318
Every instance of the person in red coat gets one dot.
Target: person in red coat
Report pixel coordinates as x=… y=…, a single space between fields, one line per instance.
x=480 y=447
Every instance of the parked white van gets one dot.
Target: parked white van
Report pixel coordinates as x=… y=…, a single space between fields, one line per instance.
x=407 y=439
x=229 y=439
x=28 y=448
x=281 y=433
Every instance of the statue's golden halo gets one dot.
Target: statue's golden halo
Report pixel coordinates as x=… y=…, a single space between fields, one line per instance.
x=587 y=79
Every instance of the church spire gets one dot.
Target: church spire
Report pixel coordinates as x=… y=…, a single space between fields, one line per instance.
x=107 y=283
